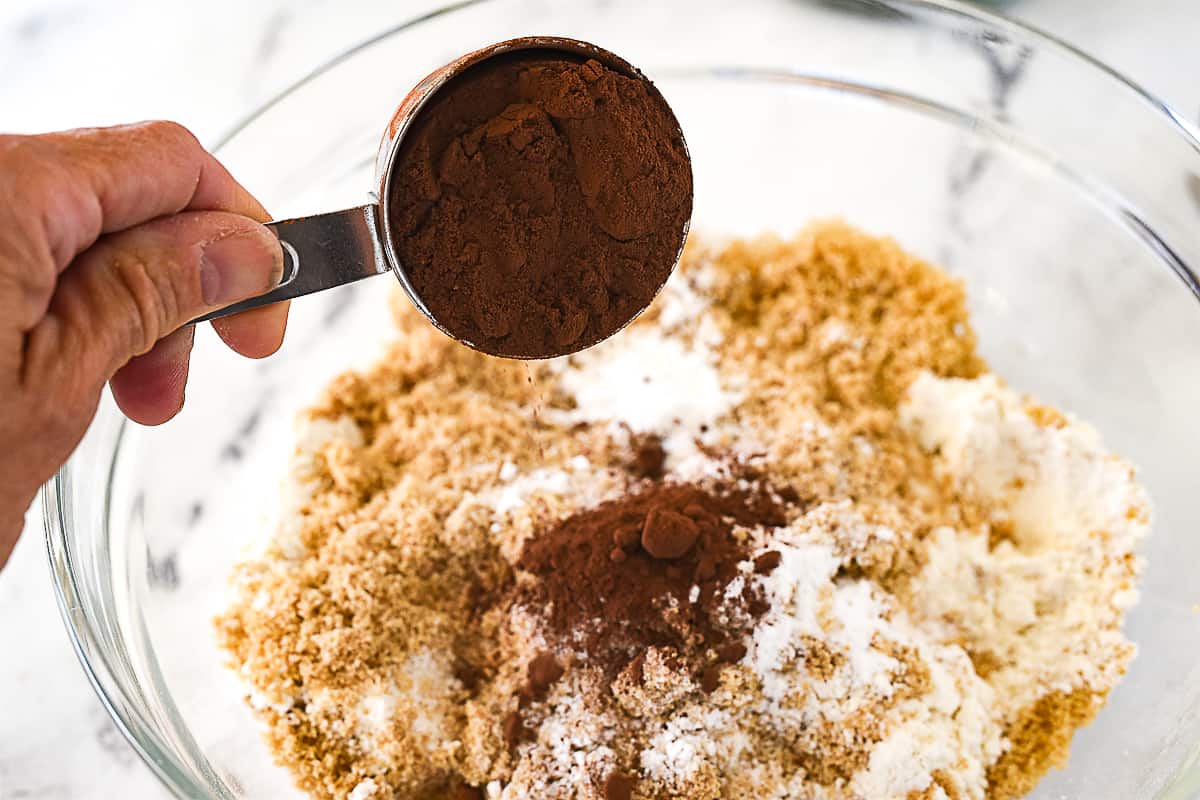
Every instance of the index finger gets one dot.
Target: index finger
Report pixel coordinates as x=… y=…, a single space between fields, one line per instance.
x=122 y=176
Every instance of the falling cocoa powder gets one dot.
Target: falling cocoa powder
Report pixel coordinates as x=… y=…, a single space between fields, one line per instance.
x=540 y=202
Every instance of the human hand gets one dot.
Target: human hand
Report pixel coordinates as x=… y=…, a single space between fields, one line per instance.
x=111 y=240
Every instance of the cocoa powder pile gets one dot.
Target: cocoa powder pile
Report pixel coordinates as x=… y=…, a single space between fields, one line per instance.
x=650 y=569
x=540 y=202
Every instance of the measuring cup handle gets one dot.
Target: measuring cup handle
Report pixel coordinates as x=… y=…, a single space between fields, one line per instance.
x=320 y=252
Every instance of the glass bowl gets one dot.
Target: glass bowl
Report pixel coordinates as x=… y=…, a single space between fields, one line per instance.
x=1066 y=198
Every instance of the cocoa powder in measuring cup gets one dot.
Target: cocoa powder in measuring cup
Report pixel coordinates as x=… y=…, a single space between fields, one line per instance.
x=540 y=202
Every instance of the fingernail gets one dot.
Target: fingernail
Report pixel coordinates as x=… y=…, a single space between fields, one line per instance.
x=239 y=266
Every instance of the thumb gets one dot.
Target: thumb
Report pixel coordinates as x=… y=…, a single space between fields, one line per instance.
x=132 y=288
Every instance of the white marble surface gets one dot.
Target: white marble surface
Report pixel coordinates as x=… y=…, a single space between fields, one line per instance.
x=68 y=63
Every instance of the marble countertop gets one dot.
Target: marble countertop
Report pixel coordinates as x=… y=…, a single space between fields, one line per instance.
x=67 y=63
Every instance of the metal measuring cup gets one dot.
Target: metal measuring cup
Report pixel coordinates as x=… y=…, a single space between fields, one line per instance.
x=327 y=250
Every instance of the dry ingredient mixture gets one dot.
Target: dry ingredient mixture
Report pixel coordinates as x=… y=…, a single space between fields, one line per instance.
x=540 y=202
x=786 y=537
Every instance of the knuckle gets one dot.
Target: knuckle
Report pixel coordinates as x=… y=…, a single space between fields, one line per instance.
x=150 y=301
x=172 y=132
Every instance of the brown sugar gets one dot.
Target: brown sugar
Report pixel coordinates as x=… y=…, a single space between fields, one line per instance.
x=1041 y=739
x=483 y=573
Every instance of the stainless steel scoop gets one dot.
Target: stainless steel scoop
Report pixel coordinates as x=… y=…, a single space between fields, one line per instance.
x=327 y=250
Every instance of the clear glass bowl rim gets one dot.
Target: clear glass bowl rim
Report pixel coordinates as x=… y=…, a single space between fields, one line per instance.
x=57 y=515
